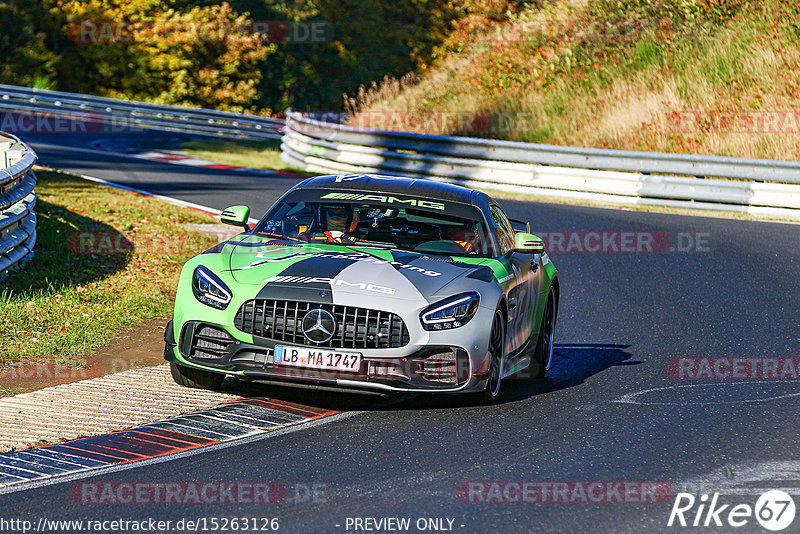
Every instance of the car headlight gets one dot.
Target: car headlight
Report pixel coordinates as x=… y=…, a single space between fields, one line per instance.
x=451 y=313
x=209 y=289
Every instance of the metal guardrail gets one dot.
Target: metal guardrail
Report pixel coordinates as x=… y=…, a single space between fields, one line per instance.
x=757 y=186
x=17 y=200
x=123 y=113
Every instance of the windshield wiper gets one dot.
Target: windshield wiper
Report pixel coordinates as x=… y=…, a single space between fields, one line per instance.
x=369 y=244
x=280 y=236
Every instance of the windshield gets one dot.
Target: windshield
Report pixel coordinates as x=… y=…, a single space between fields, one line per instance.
x=379 y=224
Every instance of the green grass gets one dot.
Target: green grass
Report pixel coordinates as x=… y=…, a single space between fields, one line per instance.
x=647 y=54
x=615 y=74
x=254 y=154
x=67 y=301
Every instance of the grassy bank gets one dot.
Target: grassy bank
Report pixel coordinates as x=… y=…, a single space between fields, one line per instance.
x=719 y=77
x=105 y=259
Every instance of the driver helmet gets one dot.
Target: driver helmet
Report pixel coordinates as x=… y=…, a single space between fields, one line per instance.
x=341 y=218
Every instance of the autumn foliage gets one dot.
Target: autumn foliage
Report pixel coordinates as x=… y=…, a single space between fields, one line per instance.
x=246 y=55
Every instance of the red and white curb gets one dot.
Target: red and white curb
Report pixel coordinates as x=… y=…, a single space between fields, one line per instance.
x=179 y=159
x=228 y=422
x=149 y=410
x=169 y=200
x=127 y=147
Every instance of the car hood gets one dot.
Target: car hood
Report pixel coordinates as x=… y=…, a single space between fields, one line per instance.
x=306 y=271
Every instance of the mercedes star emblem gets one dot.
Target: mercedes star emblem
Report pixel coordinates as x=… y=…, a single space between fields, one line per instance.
x=319 y=325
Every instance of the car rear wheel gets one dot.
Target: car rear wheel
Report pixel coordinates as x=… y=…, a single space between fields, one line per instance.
x=195 y=378
x=543 y=355
x=496 y=344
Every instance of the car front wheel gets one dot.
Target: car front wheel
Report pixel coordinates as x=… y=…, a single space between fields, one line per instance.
x=195 y=378
x=496 y=345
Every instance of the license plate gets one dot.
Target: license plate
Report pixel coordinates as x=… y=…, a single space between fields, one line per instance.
x=326 y=359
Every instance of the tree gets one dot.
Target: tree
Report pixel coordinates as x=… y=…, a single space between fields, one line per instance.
x=160 y=51
x=26 y=59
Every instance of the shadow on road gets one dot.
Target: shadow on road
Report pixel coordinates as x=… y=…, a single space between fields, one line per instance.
x=64 y=252
x=572 y=366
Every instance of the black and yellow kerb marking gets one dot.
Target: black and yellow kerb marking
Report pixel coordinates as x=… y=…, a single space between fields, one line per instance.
x=226 y=422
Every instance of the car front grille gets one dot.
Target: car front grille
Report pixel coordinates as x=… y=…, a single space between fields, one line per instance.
x=358 y=328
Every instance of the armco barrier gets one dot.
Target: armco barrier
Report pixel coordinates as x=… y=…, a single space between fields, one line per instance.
x=121 y=114
x=17 y=200
x=756 y=186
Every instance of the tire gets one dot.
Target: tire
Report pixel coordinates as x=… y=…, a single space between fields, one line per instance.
x=195 y=378
x=543 y=355
x=496 y=347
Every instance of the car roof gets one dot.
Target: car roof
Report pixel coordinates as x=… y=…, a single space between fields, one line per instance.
x=372 y=183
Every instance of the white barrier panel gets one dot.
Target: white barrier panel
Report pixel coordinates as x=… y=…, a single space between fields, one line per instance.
x=332 y=148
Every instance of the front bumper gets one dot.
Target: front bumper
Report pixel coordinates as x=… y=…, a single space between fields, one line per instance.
x=419 y=368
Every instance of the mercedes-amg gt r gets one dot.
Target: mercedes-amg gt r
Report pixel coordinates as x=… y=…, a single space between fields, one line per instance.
x=369 y=282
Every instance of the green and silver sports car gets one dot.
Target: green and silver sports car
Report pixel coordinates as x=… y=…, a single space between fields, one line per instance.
x=368 y=282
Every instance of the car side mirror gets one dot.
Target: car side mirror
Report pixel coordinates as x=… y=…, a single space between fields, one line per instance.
x=528 y=244
x=236 y=216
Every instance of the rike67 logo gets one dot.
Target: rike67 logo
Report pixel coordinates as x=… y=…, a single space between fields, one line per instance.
x=774 y=510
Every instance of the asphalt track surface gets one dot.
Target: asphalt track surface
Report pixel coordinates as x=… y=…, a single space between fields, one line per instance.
x=608 y=411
